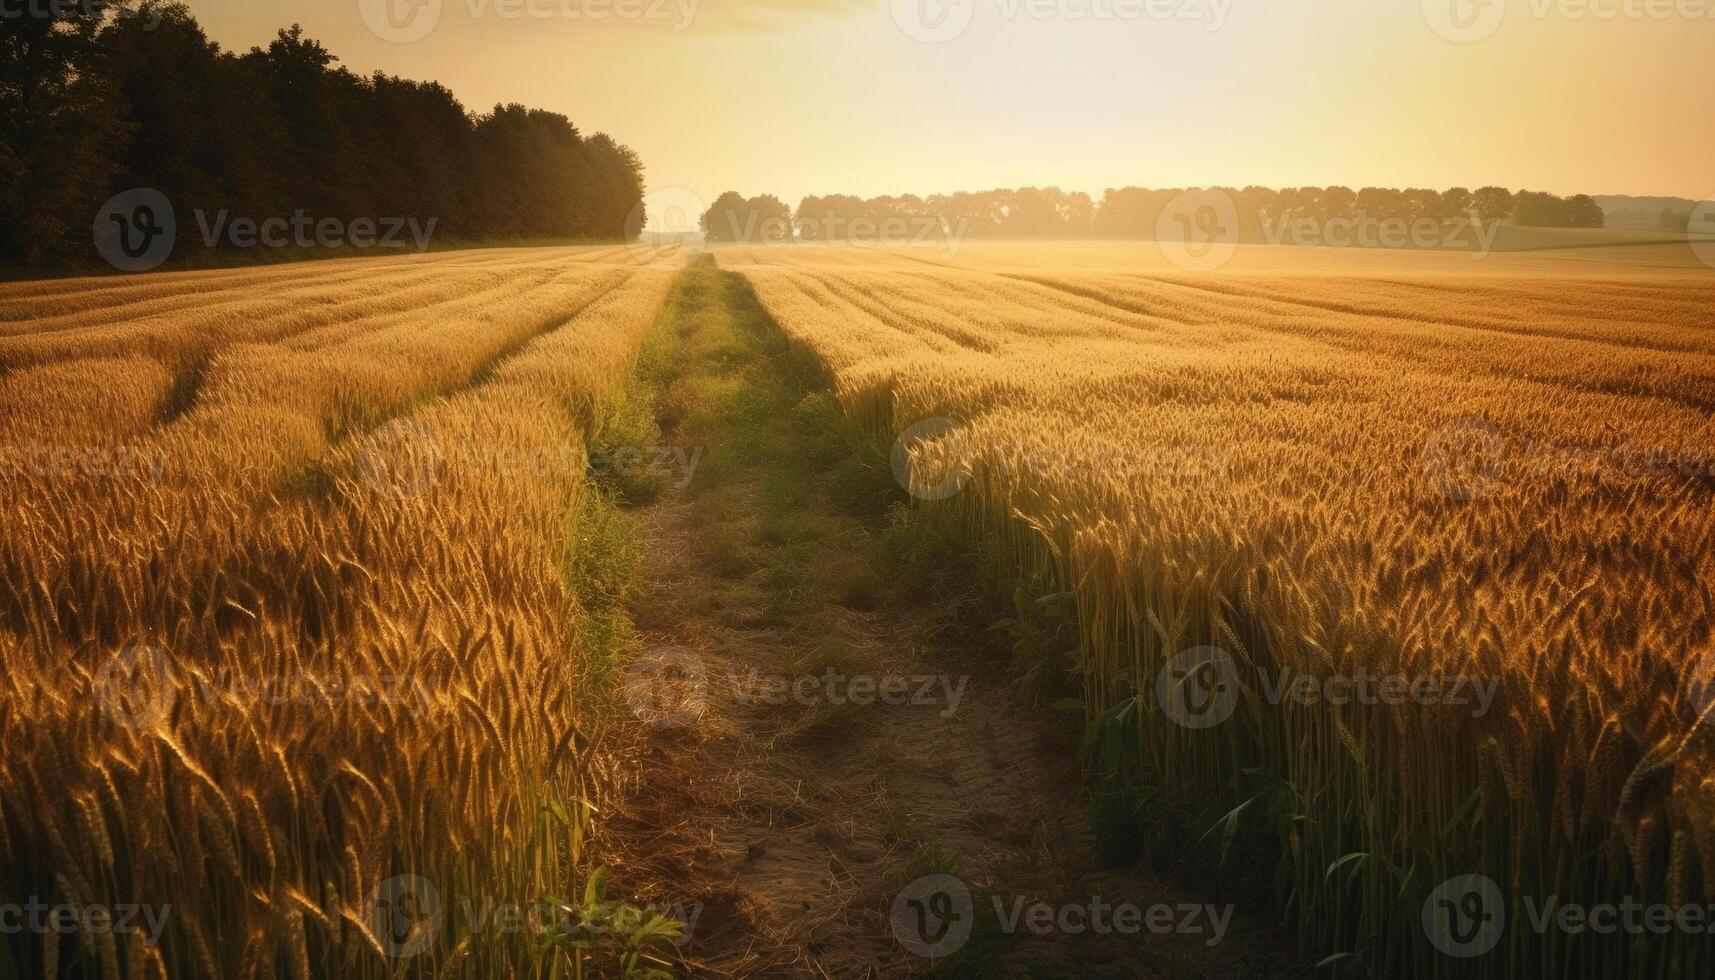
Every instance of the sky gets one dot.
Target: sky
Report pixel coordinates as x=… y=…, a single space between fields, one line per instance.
x=868 y=97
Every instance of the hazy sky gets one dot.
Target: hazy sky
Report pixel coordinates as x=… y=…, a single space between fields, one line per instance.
x=816 y=96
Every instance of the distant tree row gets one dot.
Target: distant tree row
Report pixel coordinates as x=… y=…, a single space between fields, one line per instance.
x=1671 y=220
x=102 y=96
x=1675 y=219
x=1024 y=212
x=1668 y=219
x=1547 y=211
x=1135 y=211
x=1027 y=211
x=1128 y=211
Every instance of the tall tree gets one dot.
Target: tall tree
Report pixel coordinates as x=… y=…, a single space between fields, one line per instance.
x=103 y=96
x=1493 y=203
x=59 y=131
x=727 y=219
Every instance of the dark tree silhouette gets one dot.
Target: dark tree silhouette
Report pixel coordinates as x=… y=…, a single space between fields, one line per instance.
x=103 y=96
x=57 y=123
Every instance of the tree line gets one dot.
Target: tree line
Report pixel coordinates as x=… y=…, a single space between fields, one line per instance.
x=102 y=96
x=1125 y=212
x=1136 y=211
x=1024 y=212
x=1667 y=219
x=1131 y=209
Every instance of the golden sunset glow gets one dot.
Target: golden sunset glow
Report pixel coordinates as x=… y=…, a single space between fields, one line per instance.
x=856 y=489
x=807 y=97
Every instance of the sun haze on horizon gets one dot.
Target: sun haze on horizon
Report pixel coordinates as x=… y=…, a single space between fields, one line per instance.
x=867 y=97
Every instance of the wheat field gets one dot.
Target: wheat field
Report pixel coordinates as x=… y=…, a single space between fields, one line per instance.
x=287 y=608
x=1330 y=462
x=303 y=642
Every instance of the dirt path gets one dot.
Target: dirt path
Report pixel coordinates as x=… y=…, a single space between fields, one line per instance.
x=834 y=793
